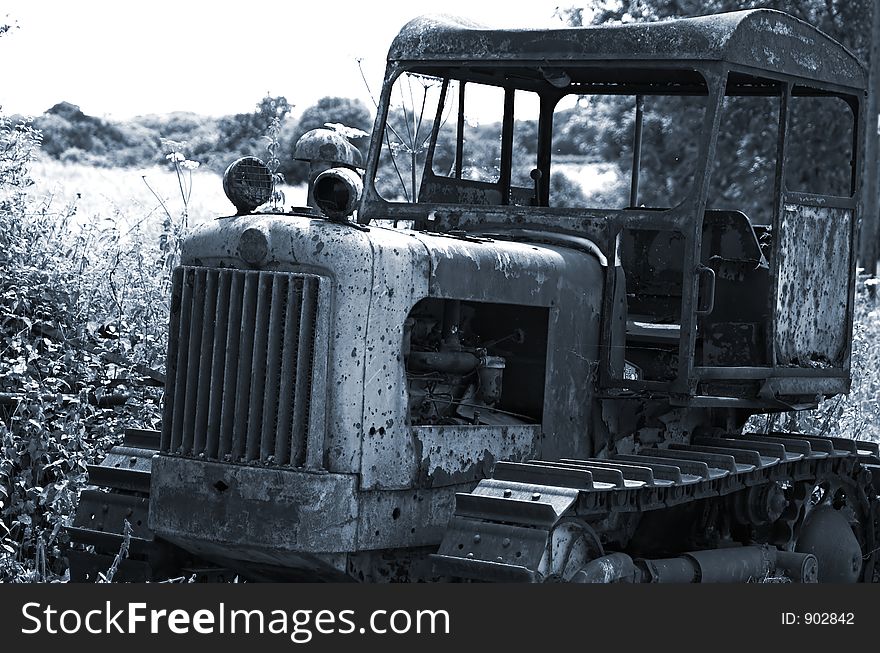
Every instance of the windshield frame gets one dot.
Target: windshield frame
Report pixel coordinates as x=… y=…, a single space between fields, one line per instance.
x=374 y=206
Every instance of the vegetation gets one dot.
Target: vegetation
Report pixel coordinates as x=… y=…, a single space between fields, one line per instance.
x=85 y=261
x=856 y=415
x=83 y=305
x=71 y=136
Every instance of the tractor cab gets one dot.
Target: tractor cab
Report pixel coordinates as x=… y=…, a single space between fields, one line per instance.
x=711 y=161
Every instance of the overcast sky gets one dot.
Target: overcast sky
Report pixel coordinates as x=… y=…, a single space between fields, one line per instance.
x=120 y=59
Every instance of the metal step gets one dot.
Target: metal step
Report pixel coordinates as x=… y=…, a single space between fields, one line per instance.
x=133 y=480
x=142 y=439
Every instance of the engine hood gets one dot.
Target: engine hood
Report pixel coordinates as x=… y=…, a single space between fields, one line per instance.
x=377 y=275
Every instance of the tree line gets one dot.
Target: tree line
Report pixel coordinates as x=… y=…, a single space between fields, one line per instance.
x=69 y=135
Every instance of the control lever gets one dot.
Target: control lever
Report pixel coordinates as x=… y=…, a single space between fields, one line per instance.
x=536 y=177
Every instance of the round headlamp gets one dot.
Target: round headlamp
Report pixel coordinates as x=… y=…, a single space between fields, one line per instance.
x=247 y=183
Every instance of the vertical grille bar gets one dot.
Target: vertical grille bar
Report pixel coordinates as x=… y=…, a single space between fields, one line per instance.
x=230 y=367
x=209 y=319
x=186 y=282
x=245 y=364
x=171 y=359
x=314 y=457
x=288 y=367
x=299 y=423
x=273 y=367
x=218 y=362
x=258 y=367
x=192 y=359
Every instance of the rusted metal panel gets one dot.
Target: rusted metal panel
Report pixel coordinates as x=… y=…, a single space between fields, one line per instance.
x=761 y=38
x=513 y=550
x=565 y=279
x=805 y=386
x=405 y=518
x=344 y=256
x=452 y=455
x=512 y=273
x=508 y=272
x=252 y=507
x=400 y=279
x=813 y=259
x=125 y=457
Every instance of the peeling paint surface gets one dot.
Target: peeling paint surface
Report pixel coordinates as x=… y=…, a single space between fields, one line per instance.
x=405 y=518
x=457 y=454
x=508 y=272
x=400 y=279
x=813 y=276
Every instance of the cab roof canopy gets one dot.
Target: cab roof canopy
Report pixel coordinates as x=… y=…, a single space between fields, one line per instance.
x=761 y=39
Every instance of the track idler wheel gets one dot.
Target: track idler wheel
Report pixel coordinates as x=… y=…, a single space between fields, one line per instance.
x=827 y=535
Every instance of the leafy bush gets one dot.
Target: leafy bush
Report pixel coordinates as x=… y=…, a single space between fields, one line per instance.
x=83 y=309
x=70 y=135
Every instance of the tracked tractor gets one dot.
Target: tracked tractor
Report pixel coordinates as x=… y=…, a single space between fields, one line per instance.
x=539 y=333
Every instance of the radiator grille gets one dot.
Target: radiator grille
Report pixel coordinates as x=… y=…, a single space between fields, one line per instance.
x=246 y=354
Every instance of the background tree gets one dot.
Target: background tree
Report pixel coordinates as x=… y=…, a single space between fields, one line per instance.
x=843 y=20
x=341 y=110
x=243 y=134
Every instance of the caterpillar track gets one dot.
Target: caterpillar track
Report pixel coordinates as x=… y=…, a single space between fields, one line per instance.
x=748 y=498
x=574 y=520
x=122 y=493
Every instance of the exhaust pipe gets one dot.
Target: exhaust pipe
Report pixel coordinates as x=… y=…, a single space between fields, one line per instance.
x=733 y=565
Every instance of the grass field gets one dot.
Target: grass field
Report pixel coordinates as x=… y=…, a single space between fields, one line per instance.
x=122 y=195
